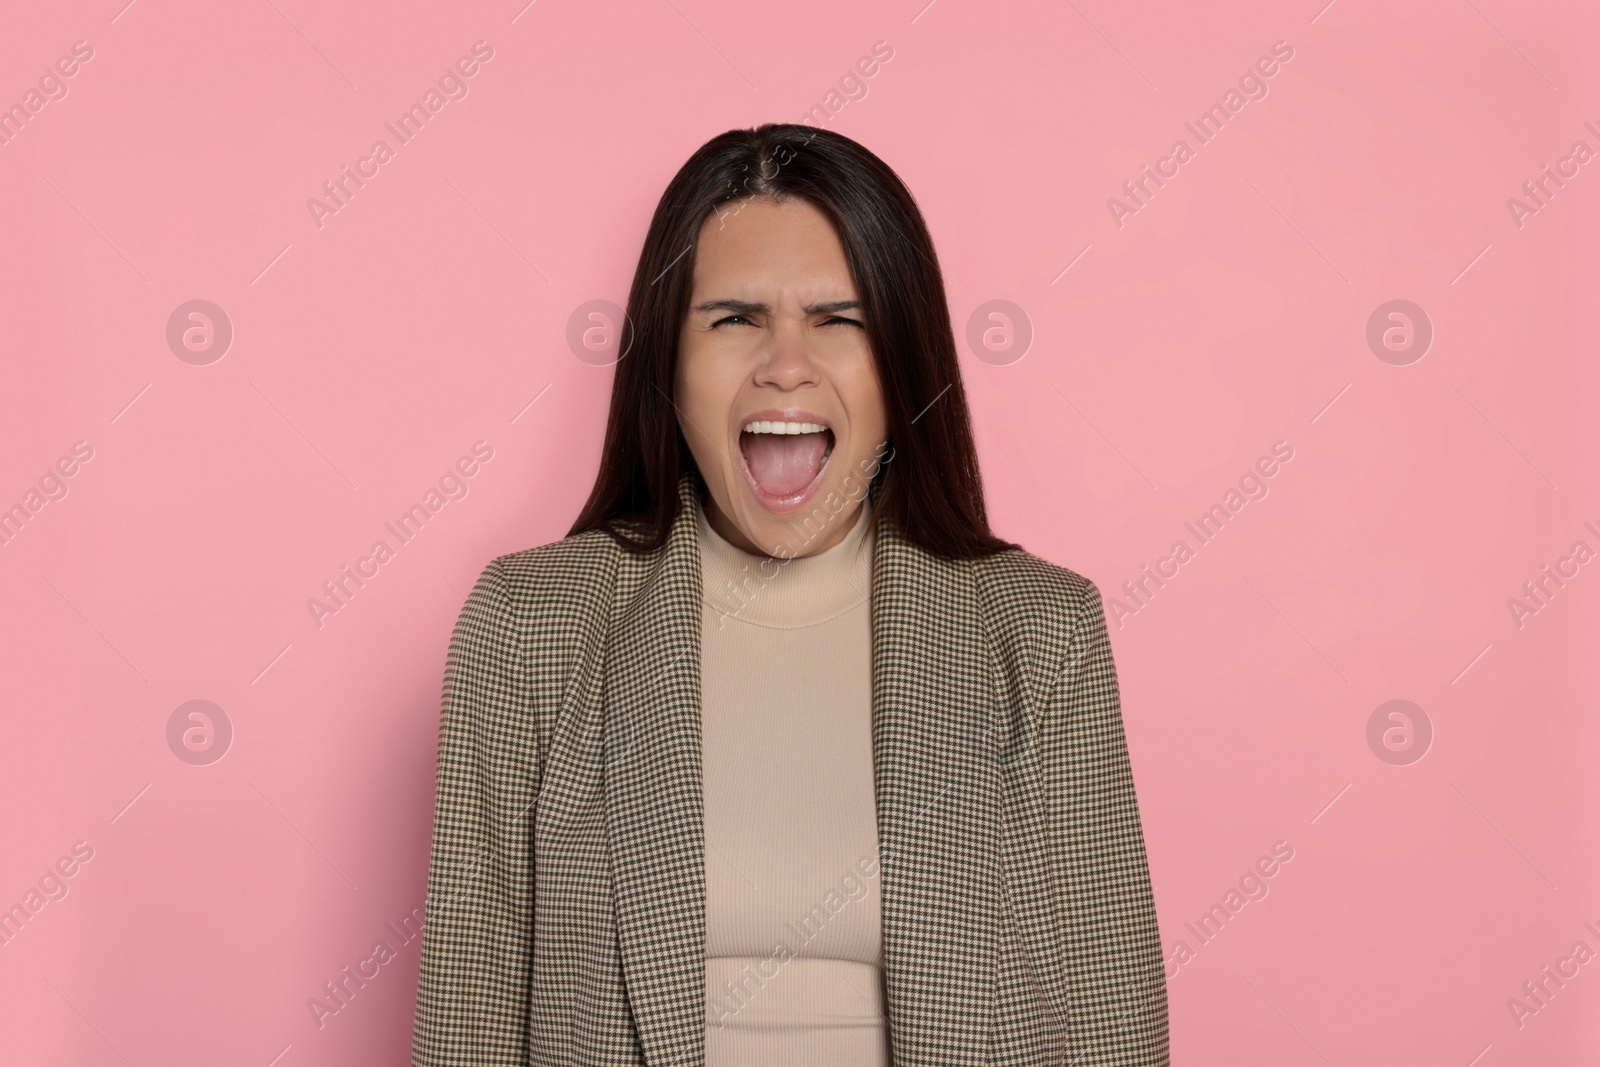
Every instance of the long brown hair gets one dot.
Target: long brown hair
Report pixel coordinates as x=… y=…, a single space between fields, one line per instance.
x=930 y=487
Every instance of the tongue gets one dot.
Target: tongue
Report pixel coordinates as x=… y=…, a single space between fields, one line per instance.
x=783 y=464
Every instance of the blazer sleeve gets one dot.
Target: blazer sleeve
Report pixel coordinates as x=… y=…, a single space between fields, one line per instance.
x=472 y=999
x=1116 y=982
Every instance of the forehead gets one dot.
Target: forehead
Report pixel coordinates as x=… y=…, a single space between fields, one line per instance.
x=760 y=243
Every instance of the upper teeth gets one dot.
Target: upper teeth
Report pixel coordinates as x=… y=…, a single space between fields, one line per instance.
x=783 y=427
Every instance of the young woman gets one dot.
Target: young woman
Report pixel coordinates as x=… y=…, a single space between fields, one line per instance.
x=781 y=757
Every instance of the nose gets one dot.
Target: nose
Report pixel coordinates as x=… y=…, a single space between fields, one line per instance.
x=787 y=362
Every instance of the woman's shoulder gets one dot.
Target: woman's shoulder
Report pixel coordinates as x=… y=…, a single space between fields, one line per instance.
x=1038 y=607
x=542 y=581
x=588 y=549
x=1039 y=617
x=1019 y=576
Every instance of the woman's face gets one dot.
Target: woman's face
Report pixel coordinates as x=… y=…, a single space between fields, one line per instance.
x=777 y=393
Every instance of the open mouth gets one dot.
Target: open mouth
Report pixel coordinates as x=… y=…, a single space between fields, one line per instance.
x=784 y=461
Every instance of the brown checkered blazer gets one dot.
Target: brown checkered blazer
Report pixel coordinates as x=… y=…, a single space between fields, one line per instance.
x=566 y=890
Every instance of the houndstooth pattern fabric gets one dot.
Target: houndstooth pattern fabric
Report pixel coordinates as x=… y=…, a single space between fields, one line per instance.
x=566 y=886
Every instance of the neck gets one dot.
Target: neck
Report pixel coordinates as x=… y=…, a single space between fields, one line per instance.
x=831 y=534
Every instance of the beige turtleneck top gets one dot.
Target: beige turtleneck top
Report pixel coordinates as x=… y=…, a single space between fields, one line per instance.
x=794 y=948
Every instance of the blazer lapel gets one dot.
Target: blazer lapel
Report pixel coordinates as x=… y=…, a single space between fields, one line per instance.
x=655 y=814
x=939 y=812
x=938 y=781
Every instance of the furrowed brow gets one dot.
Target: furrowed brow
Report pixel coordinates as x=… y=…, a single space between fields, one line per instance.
x=747 y=307
x=738 y=307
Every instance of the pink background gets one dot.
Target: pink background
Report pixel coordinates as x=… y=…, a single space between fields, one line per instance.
x=1228 y=313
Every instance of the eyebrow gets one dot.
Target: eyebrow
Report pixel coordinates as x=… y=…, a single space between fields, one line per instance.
x=747 y=307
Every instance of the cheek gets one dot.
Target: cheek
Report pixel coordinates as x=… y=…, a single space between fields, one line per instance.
x=855 y=379
x=865 y=402
x=692 y=380
x=704 y=391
